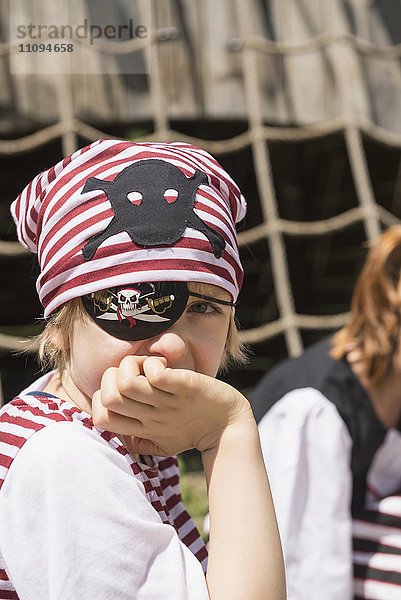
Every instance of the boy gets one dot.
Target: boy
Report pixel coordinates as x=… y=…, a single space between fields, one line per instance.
x=139 y=275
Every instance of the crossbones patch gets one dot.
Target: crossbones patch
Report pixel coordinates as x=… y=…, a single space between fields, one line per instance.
x=153 y=201
x=137 y=312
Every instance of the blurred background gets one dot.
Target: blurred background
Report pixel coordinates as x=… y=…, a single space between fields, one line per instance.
x=298 y=99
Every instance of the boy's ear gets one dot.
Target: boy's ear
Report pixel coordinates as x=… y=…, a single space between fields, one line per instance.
x=58 y=340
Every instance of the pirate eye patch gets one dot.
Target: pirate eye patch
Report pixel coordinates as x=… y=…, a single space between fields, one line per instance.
x=140 y=311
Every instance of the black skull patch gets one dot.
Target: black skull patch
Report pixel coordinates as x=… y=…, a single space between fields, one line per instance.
x=153 y=201
x=139 y=311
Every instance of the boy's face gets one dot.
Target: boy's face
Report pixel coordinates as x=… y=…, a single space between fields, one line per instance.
x=196 y=342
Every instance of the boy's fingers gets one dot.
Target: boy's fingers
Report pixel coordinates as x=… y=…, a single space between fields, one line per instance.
x=153 y=368
x=137 y=445
x=130 y=381
x=132 y=376
x=132 y=398
x=111 y=421
x=174 y=381
x=133 y=364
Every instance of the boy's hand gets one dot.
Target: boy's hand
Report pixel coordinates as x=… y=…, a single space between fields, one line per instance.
x=166 y=411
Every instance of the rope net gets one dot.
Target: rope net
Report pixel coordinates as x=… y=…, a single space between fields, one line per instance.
x=294 y=71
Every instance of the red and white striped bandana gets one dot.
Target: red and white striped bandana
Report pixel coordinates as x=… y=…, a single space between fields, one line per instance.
x=117 y=213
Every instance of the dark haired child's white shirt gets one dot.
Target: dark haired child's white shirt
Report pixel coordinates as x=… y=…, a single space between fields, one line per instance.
x=318 y=440
x=79 y=518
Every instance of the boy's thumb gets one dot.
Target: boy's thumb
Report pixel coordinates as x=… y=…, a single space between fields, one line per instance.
x=153 y=367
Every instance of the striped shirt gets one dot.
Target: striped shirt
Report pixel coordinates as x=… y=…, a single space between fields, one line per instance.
x=31 y=413
x=376 y=530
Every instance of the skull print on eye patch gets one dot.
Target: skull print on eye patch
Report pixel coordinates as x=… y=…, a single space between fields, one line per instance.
x=137 y=312
x=153 y=201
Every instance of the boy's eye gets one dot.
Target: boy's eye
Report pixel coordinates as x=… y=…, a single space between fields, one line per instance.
x=202 y=307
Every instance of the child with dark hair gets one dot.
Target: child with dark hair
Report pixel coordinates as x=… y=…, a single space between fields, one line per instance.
x=140 y=272
x=330 y=426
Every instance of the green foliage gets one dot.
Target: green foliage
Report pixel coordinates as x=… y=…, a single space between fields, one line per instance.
x=22 y=331
x=194 y=494
x=139 y=132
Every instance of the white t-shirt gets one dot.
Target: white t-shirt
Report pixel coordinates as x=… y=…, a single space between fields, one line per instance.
x=79 y=518
x=307 y=451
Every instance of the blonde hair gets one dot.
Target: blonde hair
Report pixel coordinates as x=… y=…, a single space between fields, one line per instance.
x=375 y=323
x=53 y=342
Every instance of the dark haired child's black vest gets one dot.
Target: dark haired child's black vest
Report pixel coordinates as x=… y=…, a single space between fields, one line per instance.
x=336 y=381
